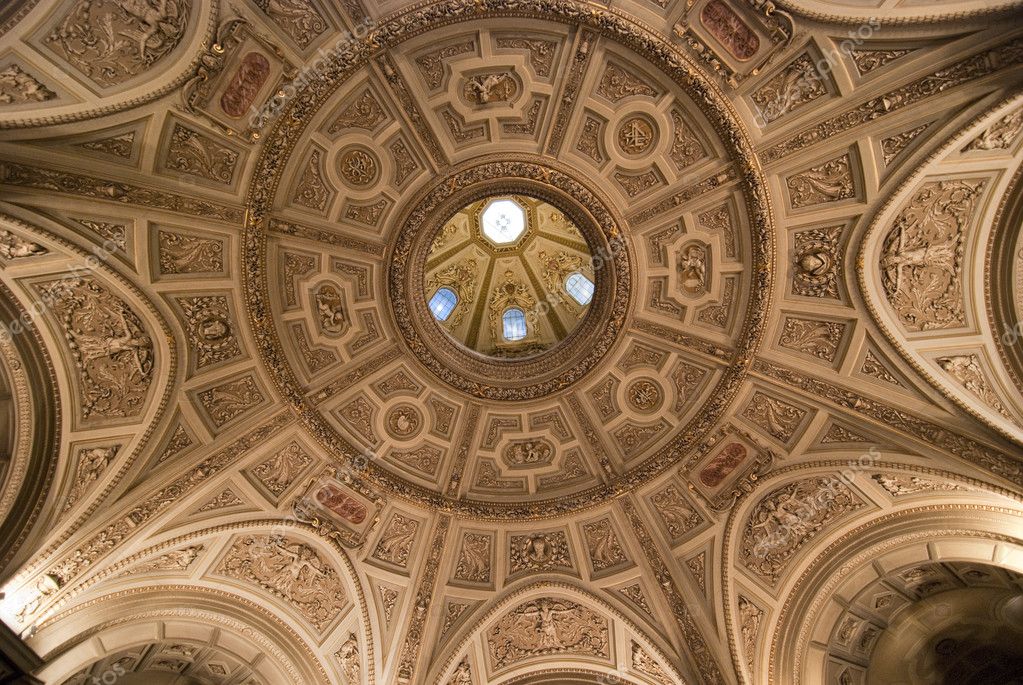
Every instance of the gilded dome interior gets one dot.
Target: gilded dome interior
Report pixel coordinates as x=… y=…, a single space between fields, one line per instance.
x=509 y=276
x=506 y=342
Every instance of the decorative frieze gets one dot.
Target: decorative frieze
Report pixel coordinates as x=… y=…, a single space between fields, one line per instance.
x=180 y=253
x=396 y=541
x=225 y=402
x=820 y=339
x=18 y=87
x=280 y=471
x=602 y=545
x=999 y=135
x=474 y=558
x=830 y=181
x=92 y=463
x=777 y=418
x=14 y=247
x=792 y=88
x=298 y=19
x=195 y=154
x=618 y=83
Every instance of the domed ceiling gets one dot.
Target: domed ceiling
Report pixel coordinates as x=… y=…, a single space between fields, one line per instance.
x=509 y=277
x=506 y=341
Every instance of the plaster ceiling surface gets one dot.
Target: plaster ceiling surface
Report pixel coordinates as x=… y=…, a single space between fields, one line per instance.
x=240 y=447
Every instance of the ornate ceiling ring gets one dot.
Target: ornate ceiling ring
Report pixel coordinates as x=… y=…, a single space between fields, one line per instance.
x=514 y=379
x=344 y=63
x=1003 y=282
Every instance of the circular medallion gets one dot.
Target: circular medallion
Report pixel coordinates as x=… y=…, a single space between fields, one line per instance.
x=404 y=422
x=644 y=395
x=358 y=167
x=635 y=136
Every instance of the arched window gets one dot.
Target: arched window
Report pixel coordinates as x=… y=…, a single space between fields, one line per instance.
x=514 y=324
x=443 y=303
x=580 y=288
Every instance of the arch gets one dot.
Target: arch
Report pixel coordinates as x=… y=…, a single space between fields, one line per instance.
x=131 y=618
x=133 y=574
x=630 y=649
x=69 y=264
x=32 y=407
x=850 y=12
x=948 y=332
x=569 y=676
x=761 y=610
x=925 y=534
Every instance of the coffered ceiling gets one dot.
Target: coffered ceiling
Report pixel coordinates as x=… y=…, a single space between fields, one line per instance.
x=238 y=449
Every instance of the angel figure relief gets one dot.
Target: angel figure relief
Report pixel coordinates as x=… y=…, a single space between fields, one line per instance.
x=113 y=41
x=290 y=570
x=113 y=352
x=548 y=626
x=922 y=255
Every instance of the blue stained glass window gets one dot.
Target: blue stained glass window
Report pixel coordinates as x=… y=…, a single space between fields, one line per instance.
x=514 y=324
x=580 y=288
x=443 y=303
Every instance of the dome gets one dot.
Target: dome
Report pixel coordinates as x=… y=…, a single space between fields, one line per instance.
x=464 y=342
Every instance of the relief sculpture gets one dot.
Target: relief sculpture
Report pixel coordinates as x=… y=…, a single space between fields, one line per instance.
x=290 y=570
x=921 y=257
x=112 y=351
x=548 y=626
x=111 y=41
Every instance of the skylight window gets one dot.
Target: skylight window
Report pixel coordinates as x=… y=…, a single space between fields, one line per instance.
x=514 y=324
x=443 y=303
x=504 y=221
x=580 y=288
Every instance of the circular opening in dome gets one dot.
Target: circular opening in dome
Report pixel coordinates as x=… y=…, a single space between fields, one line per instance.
x=509 y=276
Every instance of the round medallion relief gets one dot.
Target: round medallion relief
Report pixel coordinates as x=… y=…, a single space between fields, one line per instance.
x=636 y=135
x=358 y=167
x=404 y=422
x=644 y=395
